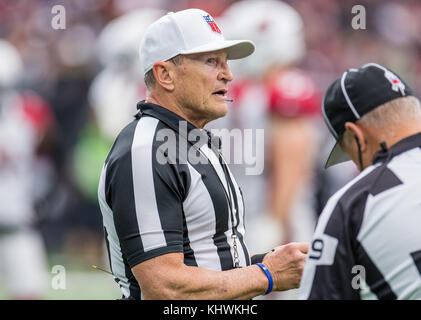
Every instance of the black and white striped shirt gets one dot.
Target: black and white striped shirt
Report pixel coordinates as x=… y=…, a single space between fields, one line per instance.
x=367 y=244
x=150 y=209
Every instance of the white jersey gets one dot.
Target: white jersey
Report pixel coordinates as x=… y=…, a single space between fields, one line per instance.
x=17 y=144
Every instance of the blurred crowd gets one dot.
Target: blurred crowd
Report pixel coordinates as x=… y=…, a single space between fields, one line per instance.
x=78 y=86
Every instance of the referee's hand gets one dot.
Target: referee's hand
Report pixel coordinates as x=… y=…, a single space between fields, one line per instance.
x=286 y=264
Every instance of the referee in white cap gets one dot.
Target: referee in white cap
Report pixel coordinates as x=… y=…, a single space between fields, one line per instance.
x=367 y=244
x=173 y=213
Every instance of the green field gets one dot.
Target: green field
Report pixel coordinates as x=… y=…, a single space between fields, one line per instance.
x=80 y=285
x=82 y=282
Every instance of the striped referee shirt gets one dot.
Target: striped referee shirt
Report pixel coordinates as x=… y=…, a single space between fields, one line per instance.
x=151 y=207
x=367 y=244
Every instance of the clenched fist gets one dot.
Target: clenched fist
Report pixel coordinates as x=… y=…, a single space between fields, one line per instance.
x=286 y=264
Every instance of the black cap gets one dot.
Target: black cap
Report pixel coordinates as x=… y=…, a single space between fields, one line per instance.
x=355 y=93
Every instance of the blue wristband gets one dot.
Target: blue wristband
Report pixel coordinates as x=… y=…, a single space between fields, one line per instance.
x=268 y=275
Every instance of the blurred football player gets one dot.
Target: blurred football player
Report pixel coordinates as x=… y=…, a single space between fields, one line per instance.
x=273 y=93
x=119 y=85
x=24 y=121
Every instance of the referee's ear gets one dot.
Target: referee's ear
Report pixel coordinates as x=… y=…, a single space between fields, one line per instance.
x=357 y=133
x=163 y=75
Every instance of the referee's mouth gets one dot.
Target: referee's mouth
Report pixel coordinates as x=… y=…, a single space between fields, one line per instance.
x=221 y=93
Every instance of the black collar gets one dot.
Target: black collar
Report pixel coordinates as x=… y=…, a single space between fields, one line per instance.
x=178 y=124
x=403 y=145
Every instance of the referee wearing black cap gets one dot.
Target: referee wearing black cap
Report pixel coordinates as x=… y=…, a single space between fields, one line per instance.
x=367 y=244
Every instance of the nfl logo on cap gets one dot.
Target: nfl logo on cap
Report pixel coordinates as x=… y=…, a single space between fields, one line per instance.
x=212 y=23
x=396 y=83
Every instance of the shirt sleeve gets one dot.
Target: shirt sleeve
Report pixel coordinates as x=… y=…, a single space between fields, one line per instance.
x=329 y=271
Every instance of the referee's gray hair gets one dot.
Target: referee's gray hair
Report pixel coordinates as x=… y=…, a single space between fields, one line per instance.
x=389 y=115
x=149 y=79
x=393 y=112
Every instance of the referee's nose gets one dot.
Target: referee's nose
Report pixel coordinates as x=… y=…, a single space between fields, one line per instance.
x=225 y=73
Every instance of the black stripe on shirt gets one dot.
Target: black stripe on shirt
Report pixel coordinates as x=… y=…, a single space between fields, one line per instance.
x=374 y=278
x=217 y=193
x=107 y=243
x=134 y=287
x=171 y=184
x=189 y=258
x=120 y=192
x=379 y=180
x=416 y=256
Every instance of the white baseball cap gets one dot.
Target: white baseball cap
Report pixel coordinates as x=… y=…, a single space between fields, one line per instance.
x=186 y=32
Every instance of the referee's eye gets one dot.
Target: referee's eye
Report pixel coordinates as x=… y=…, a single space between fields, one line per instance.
x=211 y=61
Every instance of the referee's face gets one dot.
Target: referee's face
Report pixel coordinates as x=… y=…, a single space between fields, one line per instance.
x=202 y=85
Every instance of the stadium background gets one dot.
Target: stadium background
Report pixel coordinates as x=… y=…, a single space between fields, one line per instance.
x=60 y=65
